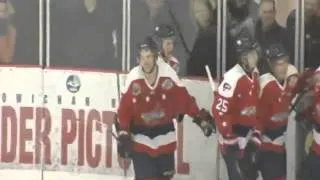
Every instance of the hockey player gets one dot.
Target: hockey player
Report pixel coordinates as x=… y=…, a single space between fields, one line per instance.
x=273 y=105
x=234 y=109
x=152 y=97
x=308 y=108
x=165 y=36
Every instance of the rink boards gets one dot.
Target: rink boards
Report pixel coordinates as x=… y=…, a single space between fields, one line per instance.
x=58 y=122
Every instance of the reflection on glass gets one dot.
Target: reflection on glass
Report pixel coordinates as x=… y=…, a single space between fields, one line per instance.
x=86 y=33
x=22 y=31
x=269 y=32
x=147 y=14
x=204 y=50
x=7 y=32
x=311 y=36
x=241 y=17
x=312 y=33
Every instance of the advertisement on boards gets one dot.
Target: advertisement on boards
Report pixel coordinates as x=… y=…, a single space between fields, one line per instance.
x=61 y=121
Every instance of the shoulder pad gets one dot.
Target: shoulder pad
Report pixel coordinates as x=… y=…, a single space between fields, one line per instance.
x=230 y=81
x=133 y=75
x=165 y=70
x=264 y=80
x=173 y=59
x=292 y=70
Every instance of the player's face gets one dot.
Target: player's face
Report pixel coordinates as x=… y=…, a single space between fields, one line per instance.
x=250 y=60
x=267 y=13
x=147 y=60
x=280 y=68
x=292 y=81
x=167 y=46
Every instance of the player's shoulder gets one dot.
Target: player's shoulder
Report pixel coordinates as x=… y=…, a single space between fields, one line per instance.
x=174 y=59
x=230 y=81
x=166 y=71
x=233 y=75
x=265 y=80
x=134 y=75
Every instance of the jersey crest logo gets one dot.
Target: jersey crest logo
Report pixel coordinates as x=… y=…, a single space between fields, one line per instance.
x=152 y=117
x=226 y=86
x=136 y=89
x=167 y=84
x=248 y=111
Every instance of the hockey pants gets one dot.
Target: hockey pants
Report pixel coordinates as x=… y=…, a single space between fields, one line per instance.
x=153 y=168
x=272 y=165
x=241 y=167
x=312 y=171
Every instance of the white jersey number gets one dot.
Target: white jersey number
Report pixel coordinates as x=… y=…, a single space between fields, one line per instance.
x=222 y=105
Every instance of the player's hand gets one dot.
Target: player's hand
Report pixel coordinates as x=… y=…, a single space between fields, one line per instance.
x=256 y=138
x=205 y=121
x=125 y=144
x=206 y=128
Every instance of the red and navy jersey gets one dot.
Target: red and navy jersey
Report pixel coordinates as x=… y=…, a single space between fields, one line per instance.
x=147 y=111
x=235 y=104
x=273 y=105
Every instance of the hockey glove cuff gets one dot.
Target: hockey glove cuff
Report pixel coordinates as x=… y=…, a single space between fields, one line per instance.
x=125 y=144
x=205 y=121
x=180 y=118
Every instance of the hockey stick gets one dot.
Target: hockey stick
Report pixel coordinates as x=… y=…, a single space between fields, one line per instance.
x=293 y=105
x=213 y=88
x=177 y=27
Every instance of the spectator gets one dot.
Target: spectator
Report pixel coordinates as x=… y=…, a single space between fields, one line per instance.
x=7 y=32
x=267 y=30
x=312 y=33
x=204 y=49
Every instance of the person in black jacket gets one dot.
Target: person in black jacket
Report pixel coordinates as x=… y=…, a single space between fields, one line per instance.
x=205 y=46
x=312 y=33
x=268 y=31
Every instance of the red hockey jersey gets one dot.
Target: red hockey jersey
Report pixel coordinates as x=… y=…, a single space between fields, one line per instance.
x=312 y=112
x=235 y=104
x=147 y=111
x=272 y=111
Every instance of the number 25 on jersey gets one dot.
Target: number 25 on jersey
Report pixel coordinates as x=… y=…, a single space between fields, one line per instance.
x=222 y=105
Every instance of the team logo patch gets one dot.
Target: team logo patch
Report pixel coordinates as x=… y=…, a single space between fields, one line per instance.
x=167 y=84
x=226 y=86
x=136 y=89
x=152 y=117
x=248 y=111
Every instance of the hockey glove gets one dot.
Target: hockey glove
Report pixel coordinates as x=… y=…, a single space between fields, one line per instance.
x=125 y=144
x=256 y=138
x=180 y=118
x=205 y=121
